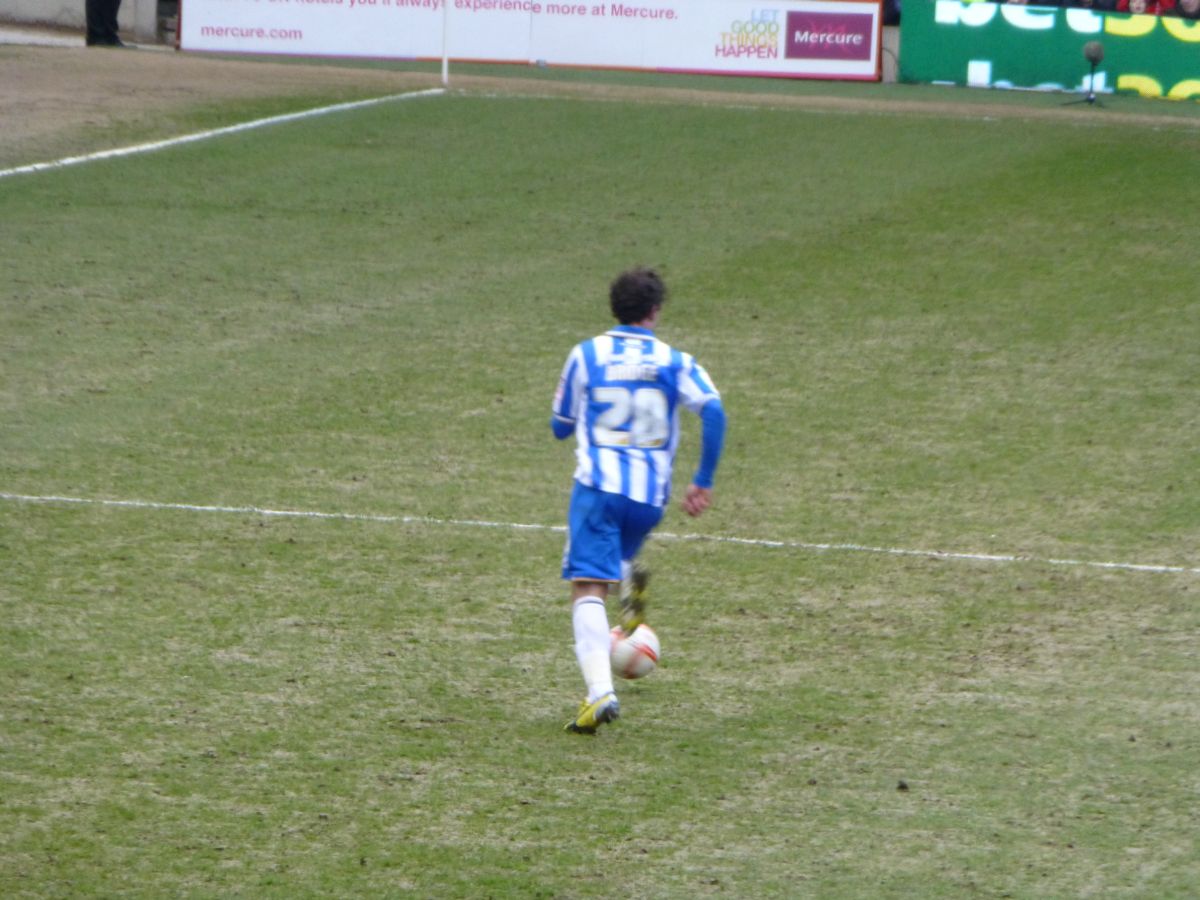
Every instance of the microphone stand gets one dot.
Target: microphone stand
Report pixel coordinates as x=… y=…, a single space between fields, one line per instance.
x=1090 y=99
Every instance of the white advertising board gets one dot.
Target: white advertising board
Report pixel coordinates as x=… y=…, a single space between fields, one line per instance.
x=836 y=39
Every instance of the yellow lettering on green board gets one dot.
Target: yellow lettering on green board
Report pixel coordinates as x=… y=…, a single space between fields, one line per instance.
x=1134 y=26
x=1185 y=90
x=1143 y=84
x=1182 y=29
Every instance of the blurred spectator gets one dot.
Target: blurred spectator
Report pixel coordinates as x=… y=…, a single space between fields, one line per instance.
x=102 y=23
x=1146 y=7
x=1188 y=9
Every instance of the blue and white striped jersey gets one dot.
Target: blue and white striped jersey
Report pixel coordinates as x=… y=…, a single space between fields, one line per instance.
x=622 y=392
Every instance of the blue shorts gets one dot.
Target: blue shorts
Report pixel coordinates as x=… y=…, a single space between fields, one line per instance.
x=604 y=529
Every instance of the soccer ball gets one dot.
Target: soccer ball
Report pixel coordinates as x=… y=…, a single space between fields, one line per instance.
x=634 y=655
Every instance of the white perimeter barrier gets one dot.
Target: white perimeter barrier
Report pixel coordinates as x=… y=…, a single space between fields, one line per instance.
x=829 y=39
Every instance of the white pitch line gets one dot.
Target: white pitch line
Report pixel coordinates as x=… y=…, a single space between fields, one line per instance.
x=216 y=132
x=520 y=526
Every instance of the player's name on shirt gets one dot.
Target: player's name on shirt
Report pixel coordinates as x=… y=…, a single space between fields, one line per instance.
x=626 y=372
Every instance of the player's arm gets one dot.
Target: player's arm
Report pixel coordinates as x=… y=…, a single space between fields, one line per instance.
x=698 y=496
x=562 y=428
x=566 y=398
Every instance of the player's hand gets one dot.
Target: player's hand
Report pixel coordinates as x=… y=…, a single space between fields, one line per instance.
x=696 y=500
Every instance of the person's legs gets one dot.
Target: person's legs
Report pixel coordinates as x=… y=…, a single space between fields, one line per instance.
x=114 y=26
x=592 y=562
x=113 y=8
x=635 y=579
x=640 y=520
x=604 y=531
x=94 y=10
x=102 y=24
x=589 y=621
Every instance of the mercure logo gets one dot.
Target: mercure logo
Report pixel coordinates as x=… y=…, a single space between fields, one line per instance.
x=820 y=35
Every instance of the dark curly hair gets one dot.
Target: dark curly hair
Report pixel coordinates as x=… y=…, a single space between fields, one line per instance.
x=635 y=294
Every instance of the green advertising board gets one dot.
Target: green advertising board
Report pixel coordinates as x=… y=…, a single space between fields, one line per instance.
x=1019 y=46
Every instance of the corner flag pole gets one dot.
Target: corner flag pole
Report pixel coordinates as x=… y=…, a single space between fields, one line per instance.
x=445 y=43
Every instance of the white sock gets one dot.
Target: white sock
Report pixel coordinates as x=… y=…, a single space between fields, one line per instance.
x=590 y=620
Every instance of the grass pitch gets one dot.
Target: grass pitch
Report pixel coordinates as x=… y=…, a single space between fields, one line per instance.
x=932 y=333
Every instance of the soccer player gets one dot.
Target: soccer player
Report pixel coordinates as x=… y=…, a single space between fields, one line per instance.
x=620 y=395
